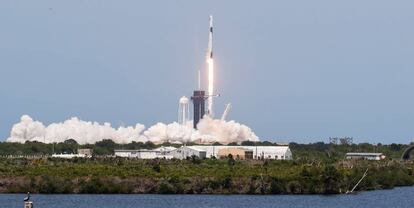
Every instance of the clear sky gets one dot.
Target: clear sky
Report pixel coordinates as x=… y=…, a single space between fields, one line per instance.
x=293 y=70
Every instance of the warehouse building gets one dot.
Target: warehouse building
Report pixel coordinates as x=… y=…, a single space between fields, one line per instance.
x=82 y=153
x=161 y=152
x=185 y=152
x=236 y=153
x=259 y=152
x=86 y=152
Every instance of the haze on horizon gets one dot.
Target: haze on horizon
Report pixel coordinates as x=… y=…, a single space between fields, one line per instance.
x=294 y=71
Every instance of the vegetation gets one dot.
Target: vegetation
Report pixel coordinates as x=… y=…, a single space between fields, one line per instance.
x=331 y=152
x=317 y=168
x=317 y=150
x=105 y=147
x=116 y=175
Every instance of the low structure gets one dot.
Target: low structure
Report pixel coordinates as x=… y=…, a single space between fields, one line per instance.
x=364 y=156
x=86 y=152
x=259 y=152
x=161 y=152
x=164 y=150
x=141 y=154
x=70 y=156
x=185 y=152
x=236 y=153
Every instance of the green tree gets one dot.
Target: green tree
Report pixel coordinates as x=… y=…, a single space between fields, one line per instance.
x=331 y=178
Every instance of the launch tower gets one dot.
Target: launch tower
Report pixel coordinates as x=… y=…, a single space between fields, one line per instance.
x=199 y=97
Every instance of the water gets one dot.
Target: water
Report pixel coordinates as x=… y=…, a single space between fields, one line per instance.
x=399 y=197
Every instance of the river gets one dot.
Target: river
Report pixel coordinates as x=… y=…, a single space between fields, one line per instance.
x=398 y=197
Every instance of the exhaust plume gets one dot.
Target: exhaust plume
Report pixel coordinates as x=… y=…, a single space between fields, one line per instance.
x=86 y=132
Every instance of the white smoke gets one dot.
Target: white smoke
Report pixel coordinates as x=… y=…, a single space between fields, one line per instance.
x=84 y=132
x=215 y=130
x=27 y=129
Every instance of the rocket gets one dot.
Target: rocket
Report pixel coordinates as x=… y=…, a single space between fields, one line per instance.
x=210 y=39
x=210 y=63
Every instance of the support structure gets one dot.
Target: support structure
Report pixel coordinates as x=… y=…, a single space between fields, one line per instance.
x=198 y=98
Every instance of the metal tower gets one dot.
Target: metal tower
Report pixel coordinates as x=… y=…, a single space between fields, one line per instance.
x=198 y=98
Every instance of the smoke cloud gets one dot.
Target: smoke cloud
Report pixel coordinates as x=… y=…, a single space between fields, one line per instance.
x=86 y=132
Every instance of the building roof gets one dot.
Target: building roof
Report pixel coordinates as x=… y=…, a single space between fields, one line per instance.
x=363 y=154
x=164 y=149
x=237 y=148
x=68 y=155
x=278 y=150
x=140 y=150
x=159 y=149
x=194 y=148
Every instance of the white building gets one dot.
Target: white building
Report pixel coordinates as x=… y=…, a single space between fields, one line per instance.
x=259 y=152
x=161 y=152
x=164 y=150
x=70 y=156
x=188 y=151
x=364 y=156
x=141 y=154
x=86 y=153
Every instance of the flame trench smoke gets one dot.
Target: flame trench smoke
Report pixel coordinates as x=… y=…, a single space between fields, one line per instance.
x=86 y=132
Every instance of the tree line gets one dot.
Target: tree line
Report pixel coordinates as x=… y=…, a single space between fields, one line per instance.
x=327 y=151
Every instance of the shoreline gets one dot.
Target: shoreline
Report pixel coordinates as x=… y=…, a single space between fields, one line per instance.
x=196 y=176
x=230 y=194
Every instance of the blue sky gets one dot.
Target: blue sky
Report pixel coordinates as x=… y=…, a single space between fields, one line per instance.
x=293 y=70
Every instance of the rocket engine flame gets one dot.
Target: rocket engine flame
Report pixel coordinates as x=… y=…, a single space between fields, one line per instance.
x=210 y=86
x=210 y=63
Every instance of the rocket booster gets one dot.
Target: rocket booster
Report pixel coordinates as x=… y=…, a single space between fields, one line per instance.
x=210 y=69
x=210 y=39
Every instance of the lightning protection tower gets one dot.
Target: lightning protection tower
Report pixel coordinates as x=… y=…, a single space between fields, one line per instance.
x=183 y=110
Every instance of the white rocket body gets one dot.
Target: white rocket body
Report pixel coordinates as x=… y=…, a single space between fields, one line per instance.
x=210 y=39
x=210 y=70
